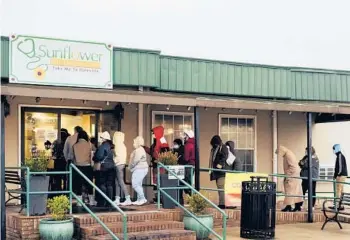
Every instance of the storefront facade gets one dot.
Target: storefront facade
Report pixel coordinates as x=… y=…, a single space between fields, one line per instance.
x=256 y=106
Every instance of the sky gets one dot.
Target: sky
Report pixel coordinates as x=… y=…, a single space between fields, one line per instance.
x=312 y=33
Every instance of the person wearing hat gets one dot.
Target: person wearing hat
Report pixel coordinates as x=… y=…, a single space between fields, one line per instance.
x=105 y=172
x=340 y=171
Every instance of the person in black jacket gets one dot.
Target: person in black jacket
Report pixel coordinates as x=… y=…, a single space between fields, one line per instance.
x=218 y=157
x=179 y=148
x=340 y=171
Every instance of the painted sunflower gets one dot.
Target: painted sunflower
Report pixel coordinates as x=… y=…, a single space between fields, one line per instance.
x=39 y=73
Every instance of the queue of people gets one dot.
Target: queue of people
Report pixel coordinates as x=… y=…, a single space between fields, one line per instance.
x=294 y=188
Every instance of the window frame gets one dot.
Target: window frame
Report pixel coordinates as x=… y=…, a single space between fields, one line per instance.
x=325 y=168
x=254 y=118
x=154 y=113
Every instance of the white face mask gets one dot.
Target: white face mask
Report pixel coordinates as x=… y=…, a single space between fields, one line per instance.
x=176 y=146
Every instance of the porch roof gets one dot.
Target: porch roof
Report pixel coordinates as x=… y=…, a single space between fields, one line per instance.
x=175 y=99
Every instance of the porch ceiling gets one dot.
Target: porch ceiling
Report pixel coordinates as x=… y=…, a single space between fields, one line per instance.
x=147 y=97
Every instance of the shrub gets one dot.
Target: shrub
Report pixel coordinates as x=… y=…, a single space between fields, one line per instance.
x=197 y=204
x=167 y=158
x=58 y=207
x=37 y=164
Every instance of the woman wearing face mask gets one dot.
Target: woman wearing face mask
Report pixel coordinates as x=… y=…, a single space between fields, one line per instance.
x=304 y=165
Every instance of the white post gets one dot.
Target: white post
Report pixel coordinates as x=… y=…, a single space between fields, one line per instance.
x=140 y=120
x=274 y=144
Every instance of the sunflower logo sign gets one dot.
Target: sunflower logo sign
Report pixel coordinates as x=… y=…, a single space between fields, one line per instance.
x=49 y=61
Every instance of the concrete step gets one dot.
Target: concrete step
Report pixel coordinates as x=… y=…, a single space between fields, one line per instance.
x=114 y=217
x=133 y=227
x=153 y=235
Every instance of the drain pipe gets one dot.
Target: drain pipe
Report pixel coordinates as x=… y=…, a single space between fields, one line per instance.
x=140 y=116
x=274 y=144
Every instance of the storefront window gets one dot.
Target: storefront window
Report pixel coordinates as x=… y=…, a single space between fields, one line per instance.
x=240 y=130
x=174 y=124
x=40 y=129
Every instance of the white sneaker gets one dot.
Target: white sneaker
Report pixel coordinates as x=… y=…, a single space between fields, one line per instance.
x=127 y=202
x=117 y=201
x=140 y=202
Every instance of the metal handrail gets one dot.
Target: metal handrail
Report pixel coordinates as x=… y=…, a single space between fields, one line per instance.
x=27 y=192
x=125 y=231
x=160 y=165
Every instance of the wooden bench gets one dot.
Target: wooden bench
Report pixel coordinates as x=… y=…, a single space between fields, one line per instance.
x=12 y=177
x=340 y=210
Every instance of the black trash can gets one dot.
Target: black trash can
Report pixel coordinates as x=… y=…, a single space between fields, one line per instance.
x=258 y=209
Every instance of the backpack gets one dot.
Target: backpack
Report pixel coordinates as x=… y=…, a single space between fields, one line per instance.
x=231 y=158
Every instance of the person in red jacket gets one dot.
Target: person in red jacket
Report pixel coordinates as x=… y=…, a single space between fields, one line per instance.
x=159 y=145
x=188 y=159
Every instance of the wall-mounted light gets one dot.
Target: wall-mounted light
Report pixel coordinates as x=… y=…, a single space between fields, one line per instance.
x=129 y=103
x=205 y=108
x=13 y=97
x=148 y=105
x=188 y=108
x=333 y=114
x=240 y=110
x=84 y=101
x=107 y=103
x=256 y=111
x=319 y=114
x=168 y=107
x=290 y=113
x=37 y=99
x=61 y=99
x=223 y=109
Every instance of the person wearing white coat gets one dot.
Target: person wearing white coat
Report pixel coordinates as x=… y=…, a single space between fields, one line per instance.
x=139 y=168
x=120 y=161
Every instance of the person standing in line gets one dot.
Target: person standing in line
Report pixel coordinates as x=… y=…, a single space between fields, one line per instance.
x=82 y=160
x=59 y=180
x=218 y=156
x=138 y=166
x=159 y=145
x=68 y=145
x=189 y=156
x=120 y=162
x=292 y=185
x=104 y=157
x=340 y=171
x=304 y=165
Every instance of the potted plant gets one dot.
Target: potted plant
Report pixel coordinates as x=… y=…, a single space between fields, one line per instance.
x=198 y=206
x=60 y=226
x=166 y=180
x=38 y=183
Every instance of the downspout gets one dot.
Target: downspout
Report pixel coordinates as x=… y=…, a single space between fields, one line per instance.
x=274 y=144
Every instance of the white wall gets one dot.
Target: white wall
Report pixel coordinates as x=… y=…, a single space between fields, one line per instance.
x=311 y=33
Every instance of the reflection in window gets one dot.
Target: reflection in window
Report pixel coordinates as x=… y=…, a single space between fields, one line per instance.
x=174 y=124
x=240 y=130
x=39 y=128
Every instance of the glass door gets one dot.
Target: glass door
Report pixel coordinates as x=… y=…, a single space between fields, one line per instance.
x=82 y=118
x=40 y=128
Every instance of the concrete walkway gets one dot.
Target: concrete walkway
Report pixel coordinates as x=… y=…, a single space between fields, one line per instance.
x=301 y=231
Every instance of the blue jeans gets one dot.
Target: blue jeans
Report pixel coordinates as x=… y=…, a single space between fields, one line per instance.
x=137 y=179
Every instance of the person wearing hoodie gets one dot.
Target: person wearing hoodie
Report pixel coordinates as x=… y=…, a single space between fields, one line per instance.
x=159 y=145
x=138 y=166
x=218 y=156
x=82 y=159
x=106 y=175
x=120 y=162
x=340 y=171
